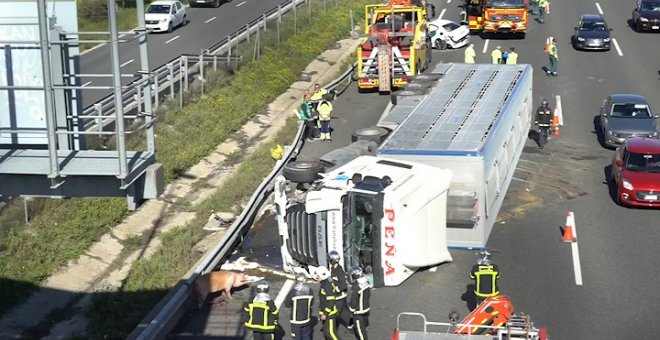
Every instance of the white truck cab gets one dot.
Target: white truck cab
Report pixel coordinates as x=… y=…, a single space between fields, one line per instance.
x=386 y=215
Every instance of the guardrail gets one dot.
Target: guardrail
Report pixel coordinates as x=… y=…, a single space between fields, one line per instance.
x=165 y=76
x=165 y=316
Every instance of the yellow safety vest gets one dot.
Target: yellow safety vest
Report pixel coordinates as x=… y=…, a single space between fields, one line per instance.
x=512 y=59
x=553 y=51
x=325 y=110
x=496 y=55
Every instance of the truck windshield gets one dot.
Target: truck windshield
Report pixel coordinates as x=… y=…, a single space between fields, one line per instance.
x=506 y=3
x=358 y=228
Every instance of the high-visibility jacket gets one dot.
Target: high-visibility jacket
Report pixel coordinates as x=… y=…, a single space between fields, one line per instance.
x=496 y=55
x=300 y=301
x=339 y=280
x=325 y=110
x=485 y=280
x=552 y=51
x=512 y=59
x=328 y=300
x=262 y=315
x=542 y=4
x=470 y=55
x=318 y=95
x=360 y=296
x=305 y=111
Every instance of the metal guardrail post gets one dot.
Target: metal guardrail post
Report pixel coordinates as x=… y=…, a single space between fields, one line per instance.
x=98 y=107
x=247 y=29
x=215 y=62
x=156 y=91
x=185 y=72
x=180 y=84
x=170 y=76
x=201 y=71
x=265 y=21
x=138 y=97
x=295 y=19
x=228 y=49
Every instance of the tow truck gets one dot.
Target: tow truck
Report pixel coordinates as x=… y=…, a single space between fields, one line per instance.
x=396 y=45
x=496 y=16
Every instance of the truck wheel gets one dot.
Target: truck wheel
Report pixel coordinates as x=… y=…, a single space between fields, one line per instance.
x=441 y=45
x=302 y=171
x=374 y=133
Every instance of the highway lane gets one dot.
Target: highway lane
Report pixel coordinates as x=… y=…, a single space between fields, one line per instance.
x=206 y=26
x=616 y=243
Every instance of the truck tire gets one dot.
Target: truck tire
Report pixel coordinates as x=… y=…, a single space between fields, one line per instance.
x=374 y=133
x=302 y=171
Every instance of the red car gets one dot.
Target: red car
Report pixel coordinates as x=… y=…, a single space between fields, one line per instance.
x=636 y=172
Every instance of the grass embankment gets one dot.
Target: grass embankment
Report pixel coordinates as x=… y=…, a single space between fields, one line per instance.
x=126 y=20
x=61 y=230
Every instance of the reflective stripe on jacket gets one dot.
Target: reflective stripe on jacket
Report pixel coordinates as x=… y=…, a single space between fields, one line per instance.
x=485 y=280
x=262 y=315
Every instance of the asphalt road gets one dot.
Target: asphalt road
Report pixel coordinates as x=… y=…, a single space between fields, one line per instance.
x=616 y=244
x=205 y=27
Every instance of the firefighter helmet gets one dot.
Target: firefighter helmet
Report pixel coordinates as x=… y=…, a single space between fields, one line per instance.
x=357 y=272
x=263 y=287
x=333 y=255
x=545 y=103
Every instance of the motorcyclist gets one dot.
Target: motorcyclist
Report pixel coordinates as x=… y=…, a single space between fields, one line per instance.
x=544 y=122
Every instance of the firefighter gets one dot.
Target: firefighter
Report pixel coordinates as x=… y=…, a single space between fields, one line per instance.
x=324 y=109
x=554 y=58
x=485 y=276
x=544 y=122
x=360 y=295
x=542 y=5
x=328 y=311
x=341 y=287
x=300 y=301
x=262 y=314
x=496 y=55
x=470 y=54
x=513 y=57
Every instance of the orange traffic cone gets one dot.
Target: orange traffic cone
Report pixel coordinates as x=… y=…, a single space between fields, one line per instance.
x=547 y=44
x=567 y=233
x=555 y=123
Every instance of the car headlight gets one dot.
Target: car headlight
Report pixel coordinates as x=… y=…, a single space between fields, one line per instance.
x=163 y=20
x=606 y=40
x=627 y=185
x=643 y=19
x=612 y=133
x=580 y=38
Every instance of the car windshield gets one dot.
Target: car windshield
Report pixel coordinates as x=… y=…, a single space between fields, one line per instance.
x=643 y=162
x=158 y=9
x=450 y=26
x=593 y=26
x=650 y=6
x=630 y=111
x=506 y=3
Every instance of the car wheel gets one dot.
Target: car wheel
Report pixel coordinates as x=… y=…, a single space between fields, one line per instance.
x=617 y=197
x=302 y=171
x=375 y=133
x=441 y=45
x=216 y=4
x=169 y=27
x=185 y=21
x=637 y=26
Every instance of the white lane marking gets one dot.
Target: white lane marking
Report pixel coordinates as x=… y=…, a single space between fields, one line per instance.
x=600 y=10
x=560 y=113
x=485 y=47
x=618 y=49
x=442 y=13
x=207 y=21
x=577 y=268
x=286 y=287
x=448 y=1
x=87 y=83
x=241 y=4
x=126 y=63
x=169 y=41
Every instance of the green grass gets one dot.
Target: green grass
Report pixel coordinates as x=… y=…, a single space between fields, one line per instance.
x=126 y=20
x=61 y=230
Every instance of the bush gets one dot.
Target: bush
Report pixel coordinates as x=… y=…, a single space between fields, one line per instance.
x=93 y=10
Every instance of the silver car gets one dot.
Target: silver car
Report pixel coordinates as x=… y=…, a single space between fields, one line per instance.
x=626 y=115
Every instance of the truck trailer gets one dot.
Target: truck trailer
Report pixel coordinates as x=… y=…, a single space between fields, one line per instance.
x=394 y=202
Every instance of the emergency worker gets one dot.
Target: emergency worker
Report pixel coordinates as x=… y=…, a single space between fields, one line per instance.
x=470 y=54
x=300 y=301
x=542 y=4
x=317 y=95
x=513 y=57
x=544 y=122
x=485 y=276
x=328 y=311
x=309 y=117
x=554 y=58
x=262 y=314
x=496 y=55
x=359 y=306
x=324 y=109
x=341 y=287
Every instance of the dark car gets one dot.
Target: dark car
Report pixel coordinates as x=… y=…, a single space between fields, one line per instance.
x=646 y=15
x=626 y=115
x=636 y=172
x=592 y=33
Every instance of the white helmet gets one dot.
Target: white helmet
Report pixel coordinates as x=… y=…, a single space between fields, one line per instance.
x=263 y=287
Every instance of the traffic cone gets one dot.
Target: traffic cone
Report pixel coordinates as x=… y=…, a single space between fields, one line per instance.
x=547 y=44
x=567 y=233
x=555 y=123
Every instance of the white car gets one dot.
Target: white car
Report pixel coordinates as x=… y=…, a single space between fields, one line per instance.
x=448 y=34
x=165 y=15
